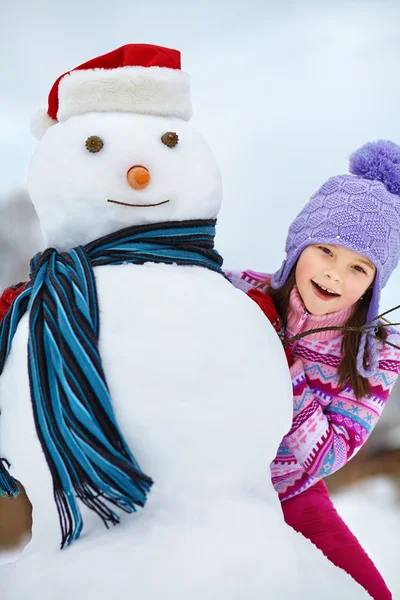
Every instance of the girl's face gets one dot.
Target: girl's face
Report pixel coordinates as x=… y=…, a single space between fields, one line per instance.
x=331 y=278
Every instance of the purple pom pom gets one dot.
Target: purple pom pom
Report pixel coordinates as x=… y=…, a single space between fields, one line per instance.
x=379 y=161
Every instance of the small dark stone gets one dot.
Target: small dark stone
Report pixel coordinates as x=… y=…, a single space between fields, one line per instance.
x=170 y=139
x=94 y=143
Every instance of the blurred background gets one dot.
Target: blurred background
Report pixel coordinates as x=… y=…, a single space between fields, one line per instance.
x=283 y=92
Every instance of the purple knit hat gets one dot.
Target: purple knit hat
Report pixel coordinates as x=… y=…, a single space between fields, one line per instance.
x=361 y=212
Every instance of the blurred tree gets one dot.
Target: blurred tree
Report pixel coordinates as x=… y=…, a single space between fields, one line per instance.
x=15 y=520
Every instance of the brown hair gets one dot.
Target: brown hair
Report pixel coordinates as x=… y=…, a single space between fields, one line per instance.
x=347 y=369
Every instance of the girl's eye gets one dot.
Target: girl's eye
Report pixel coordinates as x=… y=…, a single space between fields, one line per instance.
x=359 y=269
x=325 y=250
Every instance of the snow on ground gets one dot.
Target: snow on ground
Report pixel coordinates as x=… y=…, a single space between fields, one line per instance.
x=9 y=556
x=372 y=511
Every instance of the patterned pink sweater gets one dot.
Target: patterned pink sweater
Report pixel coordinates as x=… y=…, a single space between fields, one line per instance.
x=329 y=424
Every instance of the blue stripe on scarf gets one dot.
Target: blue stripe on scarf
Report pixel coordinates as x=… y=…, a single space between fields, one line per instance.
x=86 y=453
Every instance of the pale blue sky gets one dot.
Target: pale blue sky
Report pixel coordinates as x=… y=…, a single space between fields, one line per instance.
x=283 y=91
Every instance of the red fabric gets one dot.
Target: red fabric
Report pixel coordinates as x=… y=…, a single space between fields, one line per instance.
x=268 y=307
x=131 y=55
x=7 y=298
x=313 y=514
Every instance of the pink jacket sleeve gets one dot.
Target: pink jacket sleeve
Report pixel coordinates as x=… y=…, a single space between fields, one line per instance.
x=245 y=280
x=324 y=439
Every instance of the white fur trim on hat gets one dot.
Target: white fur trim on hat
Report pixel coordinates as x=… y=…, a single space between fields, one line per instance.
x=40 y=123
x=149 y=90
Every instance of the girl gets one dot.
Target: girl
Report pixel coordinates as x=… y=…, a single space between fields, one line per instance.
x=340 y=252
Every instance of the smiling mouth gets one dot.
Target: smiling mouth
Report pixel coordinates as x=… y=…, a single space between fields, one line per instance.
x=138 y=205
x=324 y=292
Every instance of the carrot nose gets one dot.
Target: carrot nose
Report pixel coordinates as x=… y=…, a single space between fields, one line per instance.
x=138 y=177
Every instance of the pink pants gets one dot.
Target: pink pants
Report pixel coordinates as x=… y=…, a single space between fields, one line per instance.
x=313 y=514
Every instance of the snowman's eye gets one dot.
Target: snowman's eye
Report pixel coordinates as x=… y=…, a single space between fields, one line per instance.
x=94 y=143
x=170 y=139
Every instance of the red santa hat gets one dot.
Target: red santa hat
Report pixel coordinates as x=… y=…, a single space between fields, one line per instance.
x=138 y=78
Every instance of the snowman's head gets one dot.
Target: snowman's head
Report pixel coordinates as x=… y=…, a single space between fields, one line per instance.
x=99 y=172
x=120 y=151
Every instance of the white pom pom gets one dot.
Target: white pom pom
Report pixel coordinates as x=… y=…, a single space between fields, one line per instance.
x=40 y=123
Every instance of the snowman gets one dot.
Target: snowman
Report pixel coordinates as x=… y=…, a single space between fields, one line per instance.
x=133 y=389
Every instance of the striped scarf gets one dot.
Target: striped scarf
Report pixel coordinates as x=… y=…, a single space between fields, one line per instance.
x=86 y=453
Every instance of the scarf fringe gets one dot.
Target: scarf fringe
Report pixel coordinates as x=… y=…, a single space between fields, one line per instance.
x=8 y=485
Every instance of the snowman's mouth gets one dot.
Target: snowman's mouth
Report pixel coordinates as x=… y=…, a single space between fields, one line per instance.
x=137 y=205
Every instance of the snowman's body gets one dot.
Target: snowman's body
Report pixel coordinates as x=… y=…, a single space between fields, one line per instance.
x=199 y=385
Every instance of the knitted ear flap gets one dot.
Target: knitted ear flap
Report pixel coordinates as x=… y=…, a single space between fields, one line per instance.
x=371 y=368
x=367 y=341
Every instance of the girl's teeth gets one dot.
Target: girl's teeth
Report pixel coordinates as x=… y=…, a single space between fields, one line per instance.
x=325 y=289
